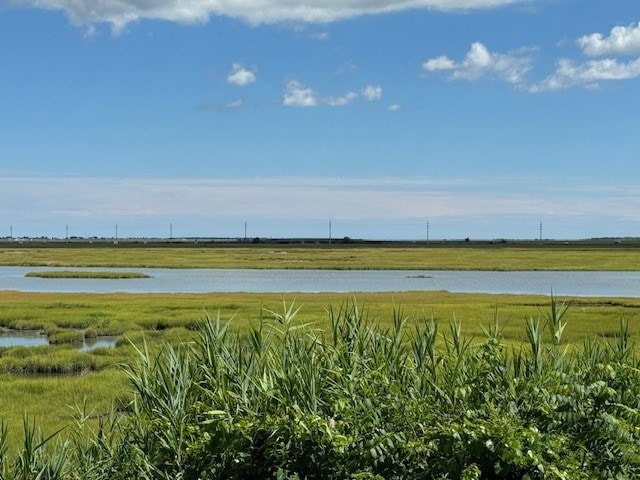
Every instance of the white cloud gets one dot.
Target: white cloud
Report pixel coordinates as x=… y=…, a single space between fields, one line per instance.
x=588 y=74
x=105 y=199
x=223 y=107
x=340 y=101
x=119 y=13
x=371 y=92
x=241 y=76
x=621 y=41
x=234 y=105
x=439 y=63
x=299 y=95
x=349 y=66
x=479 y=62
x=321 y=36
x=395 y=107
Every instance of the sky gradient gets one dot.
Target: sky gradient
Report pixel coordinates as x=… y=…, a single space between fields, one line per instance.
x=482 y=117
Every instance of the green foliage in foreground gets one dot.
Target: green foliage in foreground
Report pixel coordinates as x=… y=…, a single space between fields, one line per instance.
x=359 y=401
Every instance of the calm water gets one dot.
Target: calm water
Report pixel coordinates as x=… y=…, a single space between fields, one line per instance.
x=22 y=339
x=606 y=284
x=27 y=338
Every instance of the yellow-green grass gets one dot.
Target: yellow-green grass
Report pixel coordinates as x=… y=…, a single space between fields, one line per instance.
x=120 y=313
x=49 y=401
x=417 y=257
x=86 y=274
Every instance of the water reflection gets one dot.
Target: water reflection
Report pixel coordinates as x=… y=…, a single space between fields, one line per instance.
x=98 y=342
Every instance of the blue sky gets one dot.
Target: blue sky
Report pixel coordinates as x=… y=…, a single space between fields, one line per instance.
x=482 y=117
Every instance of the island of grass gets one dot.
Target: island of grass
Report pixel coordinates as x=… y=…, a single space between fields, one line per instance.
x=87 y=274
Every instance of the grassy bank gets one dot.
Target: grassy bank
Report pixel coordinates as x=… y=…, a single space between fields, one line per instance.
x=86 y=274
x=410 y=257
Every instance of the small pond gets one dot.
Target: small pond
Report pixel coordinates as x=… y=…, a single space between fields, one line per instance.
x=35 y=338
x=22 y=338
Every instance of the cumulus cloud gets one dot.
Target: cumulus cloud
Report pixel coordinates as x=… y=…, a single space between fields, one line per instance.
x=439 y=63
x=395 y=107
x=623 y=40
x=514 y=67
x=240 y=75
x=298 y=94
x=479 y=62
x=119 y=13
x=371 y=92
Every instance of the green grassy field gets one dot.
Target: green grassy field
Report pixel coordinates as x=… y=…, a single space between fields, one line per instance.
x=44 y=382
x=159 y=318
x=413 y=257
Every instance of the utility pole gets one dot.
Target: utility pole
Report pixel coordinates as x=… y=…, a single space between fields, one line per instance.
x=427 y=232
x=116 y=233
x=245 y=232
x=540 y=231
x=10 y=232
x=171 y=232
x=329 y=232
x=66 y=233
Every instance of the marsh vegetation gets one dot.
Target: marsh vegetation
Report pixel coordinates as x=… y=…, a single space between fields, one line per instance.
x=86 y=274
x=443 y=256
x=358 y=399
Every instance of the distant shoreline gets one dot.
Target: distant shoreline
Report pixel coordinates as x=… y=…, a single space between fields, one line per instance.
x=593 y=255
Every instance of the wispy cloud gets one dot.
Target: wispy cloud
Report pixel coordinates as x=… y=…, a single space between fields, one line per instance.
x=587 y=74
x=85 y=199
x=345 y=99
x=223 y=107
x=119 y=14
x=298 y=94
x=324 y=36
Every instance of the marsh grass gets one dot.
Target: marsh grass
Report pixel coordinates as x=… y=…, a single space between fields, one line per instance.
x=406 y=257
x=360 y=398
x=86 y=274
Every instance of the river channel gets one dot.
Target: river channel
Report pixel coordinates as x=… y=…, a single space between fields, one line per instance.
x=605 y=284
